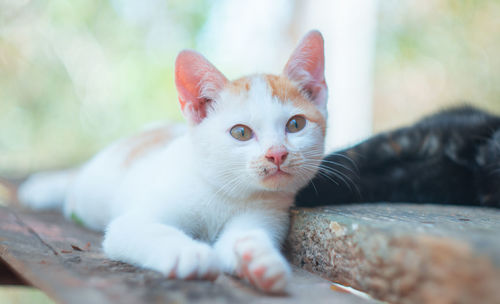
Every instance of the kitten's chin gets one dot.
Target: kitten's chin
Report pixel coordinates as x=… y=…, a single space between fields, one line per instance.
x=278 y=180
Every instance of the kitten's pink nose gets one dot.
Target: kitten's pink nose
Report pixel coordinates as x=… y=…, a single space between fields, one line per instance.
x=277 y=155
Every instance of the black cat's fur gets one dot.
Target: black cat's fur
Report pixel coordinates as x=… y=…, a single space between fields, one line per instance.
x=452 y=157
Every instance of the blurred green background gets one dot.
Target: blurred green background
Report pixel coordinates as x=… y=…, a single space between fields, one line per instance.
x=433 y=54
x=75 y=75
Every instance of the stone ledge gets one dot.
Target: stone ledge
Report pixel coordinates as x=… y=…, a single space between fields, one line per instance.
x=402 y=253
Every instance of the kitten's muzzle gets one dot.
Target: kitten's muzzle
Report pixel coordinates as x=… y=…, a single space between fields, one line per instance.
x=277 y=155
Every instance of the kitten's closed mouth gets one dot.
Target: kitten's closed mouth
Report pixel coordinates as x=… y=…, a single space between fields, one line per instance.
x=278 y=174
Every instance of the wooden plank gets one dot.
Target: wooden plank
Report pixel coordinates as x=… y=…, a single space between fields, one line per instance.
x=66 y=262
x=403 y=253
x=9 y=277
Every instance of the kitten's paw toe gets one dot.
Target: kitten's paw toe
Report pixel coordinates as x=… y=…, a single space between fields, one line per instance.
x=193 y=261
x=263 y=267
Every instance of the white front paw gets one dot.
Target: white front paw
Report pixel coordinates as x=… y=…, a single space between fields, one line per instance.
x=262 y=265
x=187 y=260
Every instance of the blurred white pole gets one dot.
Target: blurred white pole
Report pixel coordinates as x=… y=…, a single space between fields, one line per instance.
x=349 y=31
x=243 y=37
x=257 y=38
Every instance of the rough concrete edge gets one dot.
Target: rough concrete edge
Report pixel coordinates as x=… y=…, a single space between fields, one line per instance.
x=400 y=268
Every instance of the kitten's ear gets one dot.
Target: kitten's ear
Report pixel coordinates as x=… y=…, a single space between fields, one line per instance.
x=306 y=67
x=198 y=83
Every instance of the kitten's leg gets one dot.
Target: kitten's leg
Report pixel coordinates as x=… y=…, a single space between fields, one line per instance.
x=249 y=248
x=144 y=242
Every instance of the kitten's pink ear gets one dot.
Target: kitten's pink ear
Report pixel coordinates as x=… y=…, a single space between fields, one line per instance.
x=198 y=83
x=306 y=66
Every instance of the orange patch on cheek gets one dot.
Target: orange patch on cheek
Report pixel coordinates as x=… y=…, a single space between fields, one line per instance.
x=312 y=114
x=286 y=91
x=141 y=144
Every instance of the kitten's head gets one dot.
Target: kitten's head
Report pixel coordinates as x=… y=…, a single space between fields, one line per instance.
x=261 y=132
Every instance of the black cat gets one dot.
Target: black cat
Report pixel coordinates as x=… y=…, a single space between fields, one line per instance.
x=452 y=157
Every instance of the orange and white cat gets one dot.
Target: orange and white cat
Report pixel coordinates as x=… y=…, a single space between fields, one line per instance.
x=216 y=198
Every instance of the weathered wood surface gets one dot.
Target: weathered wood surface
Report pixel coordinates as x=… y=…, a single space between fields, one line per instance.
x=403 y=253
x=8 y=276
x=397 y=252
x=66 y=261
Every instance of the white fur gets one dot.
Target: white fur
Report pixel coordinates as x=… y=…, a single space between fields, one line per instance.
x=46 y=190
x=196 y=206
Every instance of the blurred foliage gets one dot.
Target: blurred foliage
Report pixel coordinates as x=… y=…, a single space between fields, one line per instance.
x=76 y=74
x=23 y=295
x=433 y=54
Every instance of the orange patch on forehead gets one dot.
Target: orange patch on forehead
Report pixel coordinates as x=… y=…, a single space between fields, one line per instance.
x=142 y=143
x=241 y=85
x=285 y=91
x=283 y=88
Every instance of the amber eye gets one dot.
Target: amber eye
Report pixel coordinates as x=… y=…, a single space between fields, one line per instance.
x=295 y=124
x=241 y=132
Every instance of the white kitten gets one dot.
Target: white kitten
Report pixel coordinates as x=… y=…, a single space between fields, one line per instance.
x=216 y=198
